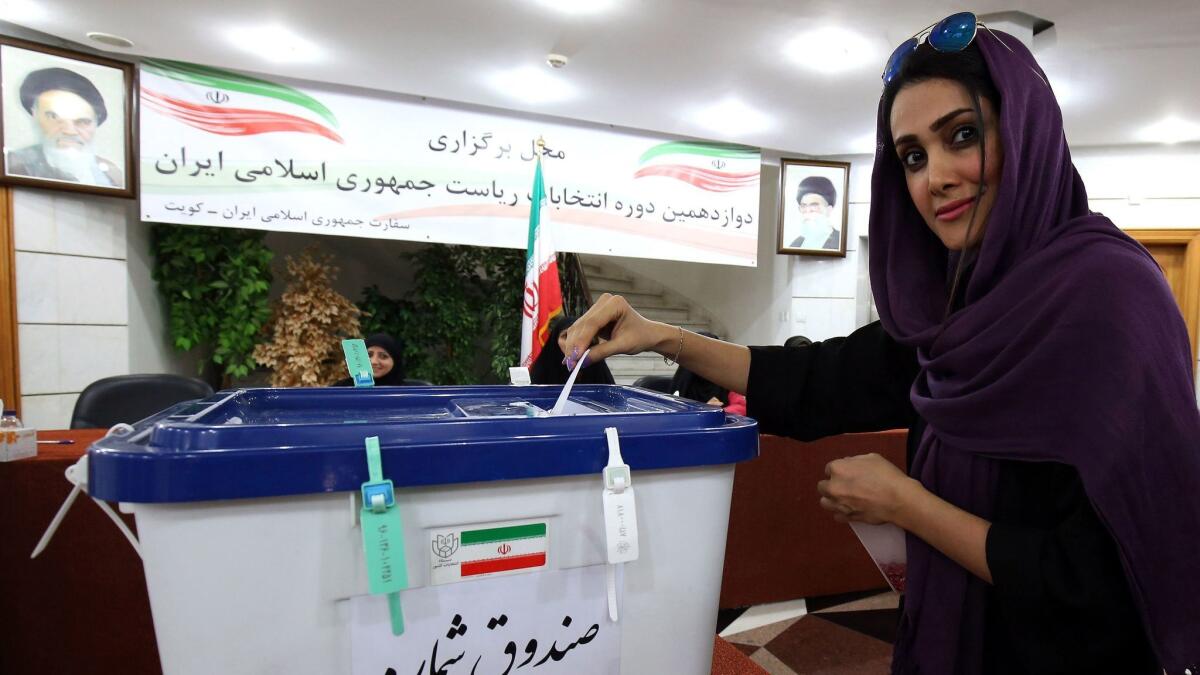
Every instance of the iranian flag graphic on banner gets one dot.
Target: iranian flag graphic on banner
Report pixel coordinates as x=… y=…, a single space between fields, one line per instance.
x=706 y=166
x=543 y=295
x=199 y=96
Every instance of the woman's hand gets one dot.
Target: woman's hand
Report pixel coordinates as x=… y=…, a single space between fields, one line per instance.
x=870 y=489
x=621 y=328
x=866 y=488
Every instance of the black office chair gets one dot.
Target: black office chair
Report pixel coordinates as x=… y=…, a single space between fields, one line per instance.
x=660 y=383
x=130 y=398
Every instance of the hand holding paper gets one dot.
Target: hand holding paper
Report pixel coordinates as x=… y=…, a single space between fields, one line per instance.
x=561 y=403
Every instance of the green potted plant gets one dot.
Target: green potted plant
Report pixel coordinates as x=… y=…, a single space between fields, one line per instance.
x=215 y=281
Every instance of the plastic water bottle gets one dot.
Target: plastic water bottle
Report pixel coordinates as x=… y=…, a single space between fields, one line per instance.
x=17 y=442
x=8 y=422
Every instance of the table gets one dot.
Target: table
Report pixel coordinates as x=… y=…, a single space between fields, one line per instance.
x=81 y=606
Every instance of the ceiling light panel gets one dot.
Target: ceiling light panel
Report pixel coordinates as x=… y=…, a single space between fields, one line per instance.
x=275 y=43
x=831 y=50
x=1171 y=130
x=579 y=7
x=732 y=117
x=22 y=11
x=532 y=84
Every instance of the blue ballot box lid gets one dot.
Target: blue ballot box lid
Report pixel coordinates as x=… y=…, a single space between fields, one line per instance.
x=269 y=442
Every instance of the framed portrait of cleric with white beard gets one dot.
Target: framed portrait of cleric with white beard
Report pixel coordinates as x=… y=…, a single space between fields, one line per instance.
x=66 y=120
x=813 y=207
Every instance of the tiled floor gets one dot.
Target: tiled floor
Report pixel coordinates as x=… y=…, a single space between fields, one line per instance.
x=841 y=635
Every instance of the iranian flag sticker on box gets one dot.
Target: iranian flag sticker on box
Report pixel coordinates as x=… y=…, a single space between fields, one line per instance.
x=475 y=551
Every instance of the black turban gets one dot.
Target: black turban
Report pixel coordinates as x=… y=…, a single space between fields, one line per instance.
x=818 y=185
x=61 y=79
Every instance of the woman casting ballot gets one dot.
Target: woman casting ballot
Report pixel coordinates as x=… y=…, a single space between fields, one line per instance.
x=1036 y=356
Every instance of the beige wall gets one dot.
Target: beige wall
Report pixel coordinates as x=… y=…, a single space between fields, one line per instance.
x=72 y=309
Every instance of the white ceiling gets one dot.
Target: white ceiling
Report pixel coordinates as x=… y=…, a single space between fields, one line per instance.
x=1119 y=64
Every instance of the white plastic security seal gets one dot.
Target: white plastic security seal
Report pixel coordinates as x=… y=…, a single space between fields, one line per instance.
x=77 y=475
x=620 y=516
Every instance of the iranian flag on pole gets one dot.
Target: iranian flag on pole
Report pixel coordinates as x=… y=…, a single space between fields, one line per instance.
x=543 y=296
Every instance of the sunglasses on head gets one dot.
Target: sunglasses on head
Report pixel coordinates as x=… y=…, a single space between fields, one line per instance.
x=952 y=34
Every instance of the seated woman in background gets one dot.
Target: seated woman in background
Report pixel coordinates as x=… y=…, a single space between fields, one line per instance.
x=797 y=341
x=549 y=368
x=387 y=362
x=686 y=384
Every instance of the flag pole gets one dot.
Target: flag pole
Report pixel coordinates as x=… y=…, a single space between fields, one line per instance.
x=543 y=292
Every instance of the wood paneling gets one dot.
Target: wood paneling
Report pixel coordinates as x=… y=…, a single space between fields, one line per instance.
x=1178 y=252
x=10 y=373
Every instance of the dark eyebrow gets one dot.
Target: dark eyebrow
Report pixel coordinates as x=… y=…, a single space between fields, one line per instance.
x=941 y=121
x=937 y=124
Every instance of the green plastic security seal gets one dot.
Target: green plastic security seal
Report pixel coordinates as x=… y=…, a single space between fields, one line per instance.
x=383 y=536
x=358 y=362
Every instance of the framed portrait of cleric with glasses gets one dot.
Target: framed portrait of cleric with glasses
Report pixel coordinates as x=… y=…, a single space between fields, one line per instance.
x=66 y=119
x=813 y=207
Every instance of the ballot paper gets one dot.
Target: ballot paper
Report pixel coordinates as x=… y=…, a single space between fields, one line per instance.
x=886 y=546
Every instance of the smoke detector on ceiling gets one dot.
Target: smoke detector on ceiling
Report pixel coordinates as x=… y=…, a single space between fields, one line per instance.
x=110 y=39
x=556 y=60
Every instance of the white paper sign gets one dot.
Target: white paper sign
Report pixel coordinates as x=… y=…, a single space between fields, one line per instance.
x=555 y=621
x=227 y=149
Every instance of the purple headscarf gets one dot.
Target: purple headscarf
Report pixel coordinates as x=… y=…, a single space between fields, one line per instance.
x=1070 y=349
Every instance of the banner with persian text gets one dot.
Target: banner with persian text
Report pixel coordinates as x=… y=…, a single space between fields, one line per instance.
x=224 y=149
